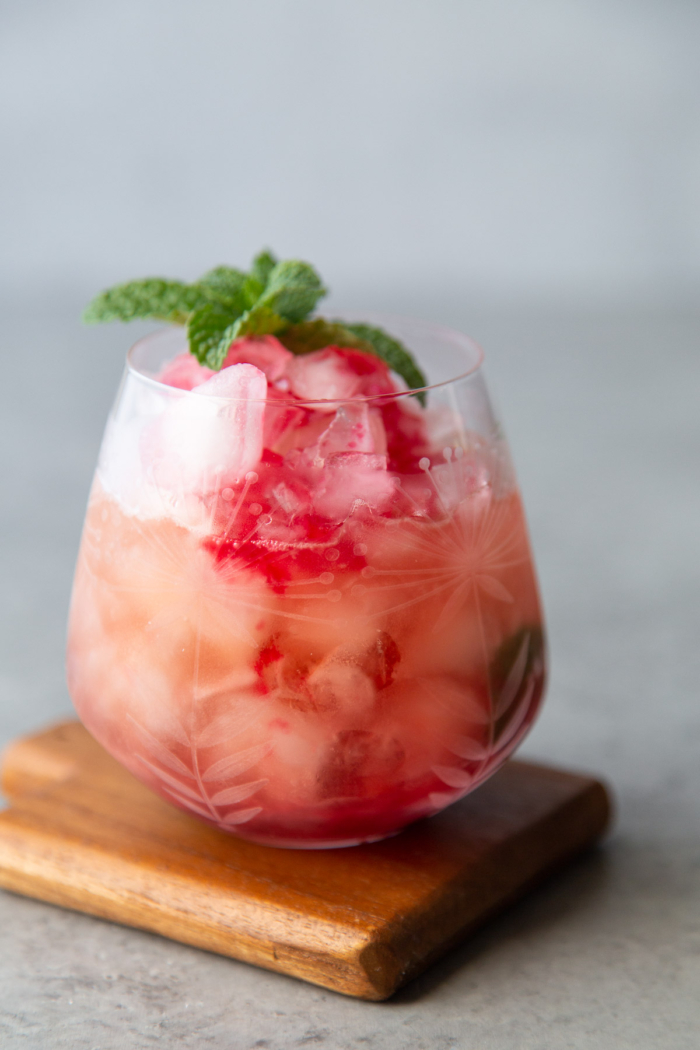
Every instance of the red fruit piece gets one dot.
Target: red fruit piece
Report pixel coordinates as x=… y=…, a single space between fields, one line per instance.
x=338 y=373
x=265 y=352
x=268 y=656
x=406 y=435
x=184 y=372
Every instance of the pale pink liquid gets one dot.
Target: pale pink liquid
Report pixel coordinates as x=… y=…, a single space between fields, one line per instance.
x=309 y=679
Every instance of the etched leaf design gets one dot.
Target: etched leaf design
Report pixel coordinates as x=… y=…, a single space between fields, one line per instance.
x=174 y=728
x=224 y=727
x=456 y=778
x=469 y=749
x=440 y=799
x=232 y=765
x=183 y=582
x=160 y=751
x=456 y=699
x=189 y=804
x=515 y=724
x=172 y=781
x=493 y=587
x=236 y=794
x=238 y=683
x=240 y=817
x=450 y=609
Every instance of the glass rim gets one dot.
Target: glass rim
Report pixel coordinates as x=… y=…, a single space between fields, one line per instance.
x=464 y=343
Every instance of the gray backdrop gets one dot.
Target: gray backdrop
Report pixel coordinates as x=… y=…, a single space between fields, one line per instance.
x=528 y=172
x=549 y=147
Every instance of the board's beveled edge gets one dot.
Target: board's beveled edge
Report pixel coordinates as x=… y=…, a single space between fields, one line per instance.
x=377 y=958
x=451 y=916
x=34 y=868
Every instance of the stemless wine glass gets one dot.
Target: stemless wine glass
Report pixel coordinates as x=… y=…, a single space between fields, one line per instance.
x=308 y=623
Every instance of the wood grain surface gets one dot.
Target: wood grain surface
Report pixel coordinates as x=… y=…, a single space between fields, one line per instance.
x=81 y=832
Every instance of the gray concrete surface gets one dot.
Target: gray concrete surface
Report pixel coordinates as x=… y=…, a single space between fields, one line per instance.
x=603 y=415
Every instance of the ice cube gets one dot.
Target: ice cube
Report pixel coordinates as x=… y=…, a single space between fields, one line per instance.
x=265 y=352
x=349 y=431
x=303 y=428
x=339 y=685
x=443 y=426
x=213 y=435
x=358 y=763
x=337 y=373
x=459 y=478
x=376 y=426
x=283 y=421
x=349 y=676
x=240 y=381
x=350 y=478
x=127 y=454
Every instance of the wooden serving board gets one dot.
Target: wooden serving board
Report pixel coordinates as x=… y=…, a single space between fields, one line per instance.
x=83 y=833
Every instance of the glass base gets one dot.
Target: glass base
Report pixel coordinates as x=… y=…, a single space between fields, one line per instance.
x=282 y=843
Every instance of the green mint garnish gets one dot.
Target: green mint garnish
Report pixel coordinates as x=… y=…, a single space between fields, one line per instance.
x=292 y=290
x=394 y=353
x=273 y=298
x=227 y=287
x=263 y=265
x=313 y=335
x=205 y=334
x=152 y=297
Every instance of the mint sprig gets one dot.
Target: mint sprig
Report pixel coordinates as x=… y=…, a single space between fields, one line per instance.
x=317 y=334
x=313 y=335
x=272 y=298
x=226 y=287
x=152 y=298
x=393 y=353
x=263 y=265
x=205 y=334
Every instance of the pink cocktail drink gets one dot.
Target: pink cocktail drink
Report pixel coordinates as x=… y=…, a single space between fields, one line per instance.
x=305 y=607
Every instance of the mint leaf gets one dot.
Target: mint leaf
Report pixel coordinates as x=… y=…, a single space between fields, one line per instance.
x=263 y=265
x=211 y=330
x=152 y=297
x=259 y=303
x=307 y=336
x=515 y=662
x=226 y=286
x=227 y=304
x=288 y=290
x=206 y=335
x=252 y=290
x=393 y=353
x=293 y=289
x=260 y=320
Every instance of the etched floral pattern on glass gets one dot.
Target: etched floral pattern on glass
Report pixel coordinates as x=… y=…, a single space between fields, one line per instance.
x=307 y=622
